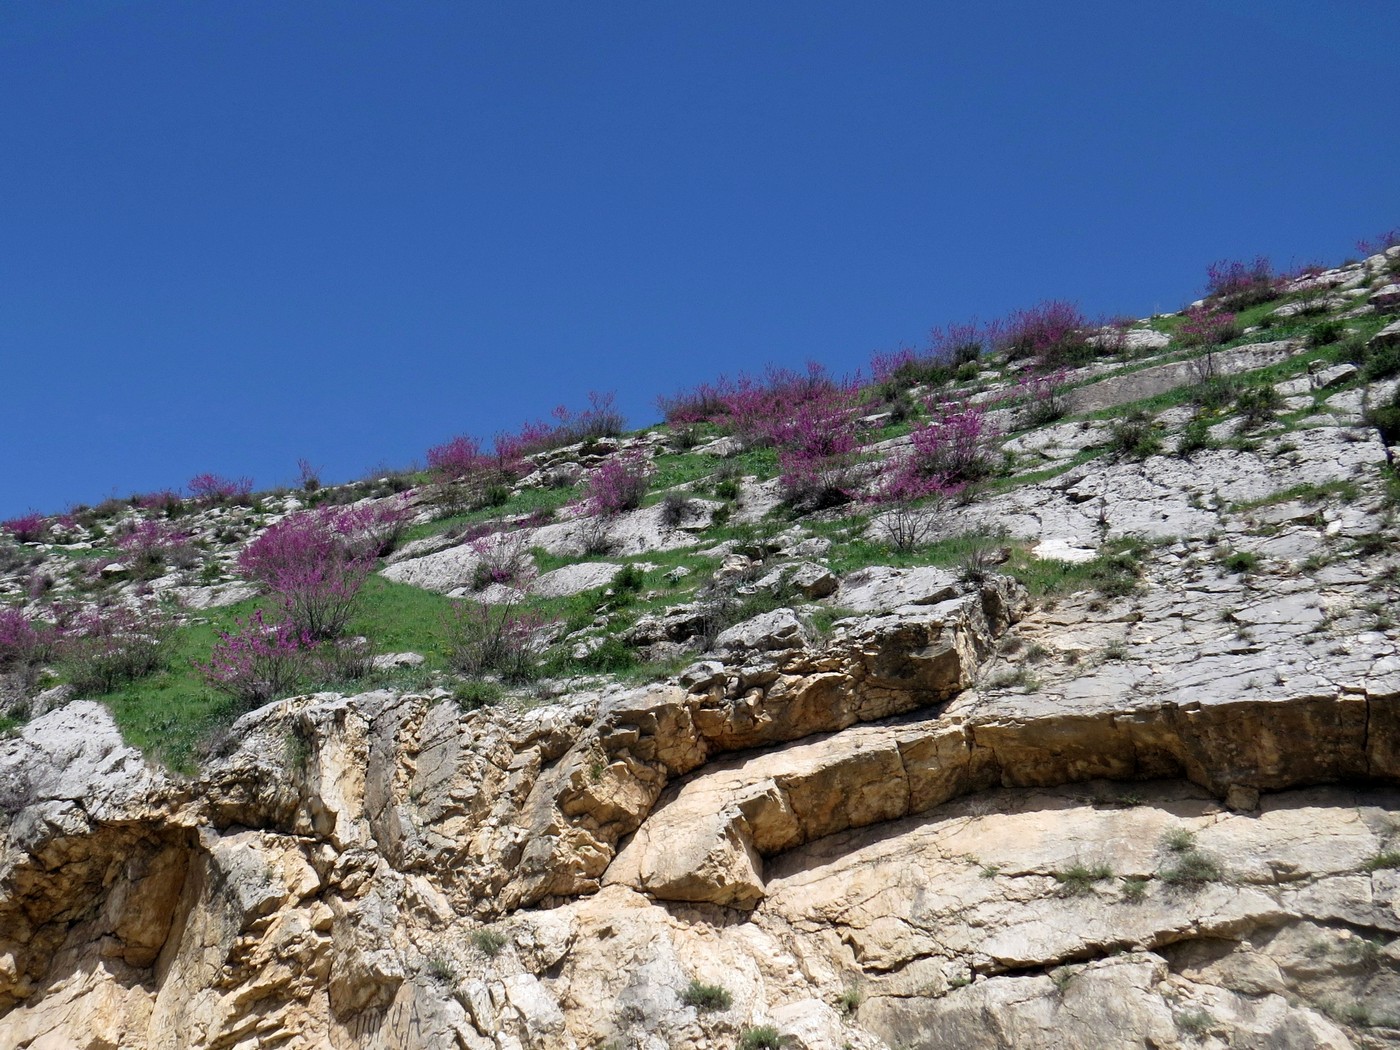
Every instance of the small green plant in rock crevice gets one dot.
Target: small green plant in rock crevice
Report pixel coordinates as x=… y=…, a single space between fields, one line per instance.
x=298 y=746
x=1385 y=859
x=1114 y=572
x=476 y=693
x=1240 y=562
x=1020 y=678
x=1195 y=1021
x=1363 y=952
x=1191 y=869
x=1078 y=880
x=1195 y=437
x=1178 y=840
x=441 y=968
x=1257 y=406
x=1136 y=437
x=488 y=942
x=610 y=656
x=764 y=1037
x=706 y=996
x=1134 y=888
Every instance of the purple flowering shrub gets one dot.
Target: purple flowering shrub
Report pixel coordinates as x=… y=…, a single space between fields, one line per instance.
x=891 y=370
x=755 y=410
x=465 y=472
x=102 y=648
x=458 y=459
x=1379 y=243
x=963 y=342
x=1053 y=333
x=1042 y=397
x=1235 y=285
x=503 y=557
x=163 y=501
x=27 y=528
x=747 y=407
x=773 y=410
x=468 y=473
x=149 y=546
x=952 y=449
x=701 y=403
x=24 y=642
x=464 y=460
x=374 y=527
x=211 y=489
x=258 y=661
x=904 y=484
x=1203 y=326
x=949 y=348
x=817 y=444
x=914 y=497
x=315 y=568
x=618 y=484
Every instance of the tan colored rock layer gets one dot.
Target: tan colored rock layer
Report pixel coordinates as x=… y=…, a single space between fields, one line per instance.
x=313 y=906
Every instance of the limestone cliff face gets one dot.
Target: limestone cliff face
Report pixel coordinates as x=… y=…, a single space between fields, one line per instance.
x=956 y=816
x=810 y=824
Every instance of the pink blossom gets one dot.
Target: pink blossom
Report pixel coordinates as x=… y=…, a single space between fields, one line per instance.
x=257 y=661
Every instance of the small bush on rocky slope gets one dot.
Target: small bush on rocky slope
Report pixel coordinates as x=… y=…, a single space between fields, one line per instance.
x=488 y=942
x=706 y=996
x=949 y=348
x=1202 y=326
x=26 y=528
x=618 y=485
x=911 y=523
x=503 y=557
x=1257 y=405
x=1234 y=285
x=1136 y=437
x=1190 y=868
x=483 y=639
x=213 y=489
x=441 y=968
x=149 y=546
x=764 y=1037
x=1053 y=333
x=24 y=641
x=258 y=661
x=313 y=563
x=104 y=648
x=1079 y=879
x=1043 y=398
x=1386 y=419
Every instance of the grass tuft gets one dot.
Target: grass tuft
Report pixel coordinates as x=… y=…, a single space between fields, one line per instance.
x=707 y=996
x=1078 y=881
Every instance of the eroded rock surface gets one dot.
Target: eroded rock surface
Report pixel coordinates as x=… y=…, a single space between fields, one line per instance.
x=899 y=807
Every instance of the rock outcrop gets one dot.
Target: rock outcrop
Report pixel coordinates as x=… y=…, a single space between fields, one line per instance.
x=1126 y=776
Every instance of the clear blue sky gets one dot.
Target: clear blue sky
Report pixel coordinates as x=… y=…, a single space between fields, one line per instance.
x=237 y=233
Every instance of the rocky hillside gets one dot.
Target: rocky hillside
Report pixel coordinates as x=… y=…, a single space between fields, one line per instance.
x=1083 y=732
